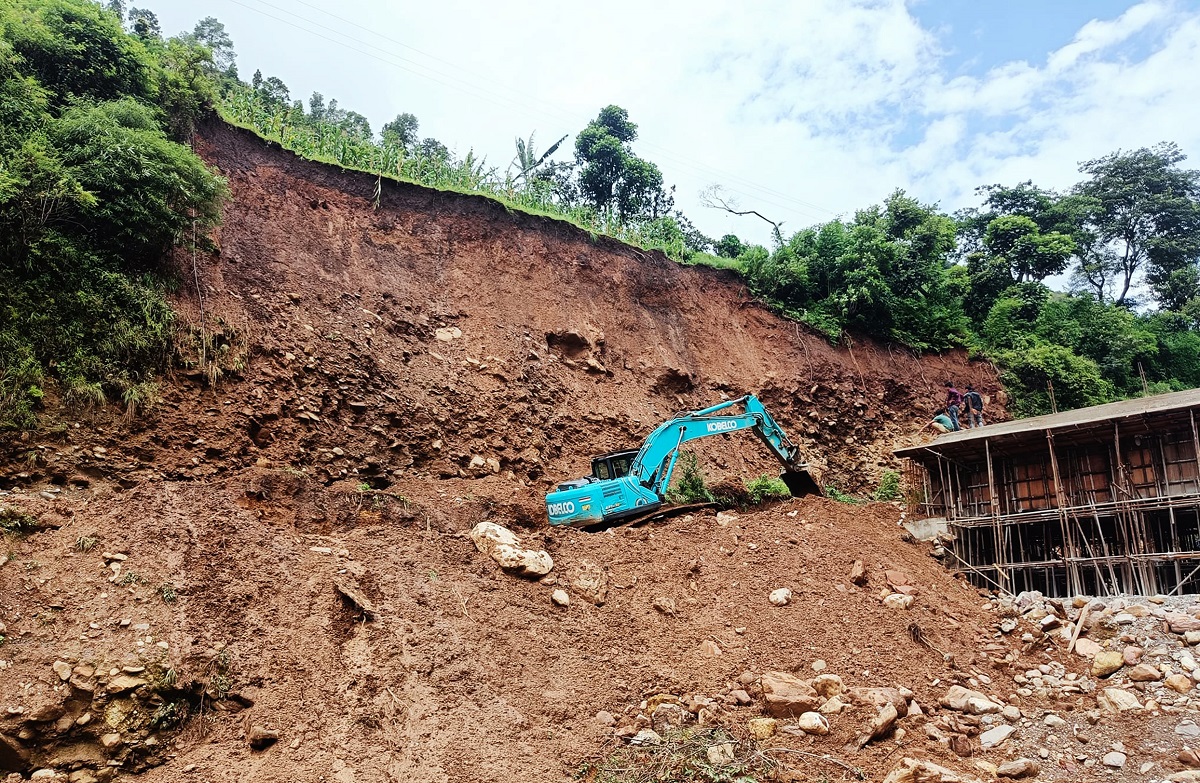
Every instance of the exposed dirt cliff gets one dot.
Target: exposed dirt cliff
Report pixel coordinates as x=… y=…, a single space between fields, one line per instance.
x=287 y=552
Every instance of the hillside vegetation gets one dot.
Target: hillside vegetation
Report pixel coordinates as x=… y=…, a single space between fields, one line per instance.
x=96 y=187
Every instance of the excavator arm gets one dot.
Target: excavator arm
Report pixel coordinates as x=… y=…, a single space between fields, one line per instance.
x=643 y=489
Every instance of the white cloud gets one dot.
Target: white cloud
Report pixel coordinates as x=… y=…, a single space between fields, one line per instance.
x=806 y=109
x=1099 y=34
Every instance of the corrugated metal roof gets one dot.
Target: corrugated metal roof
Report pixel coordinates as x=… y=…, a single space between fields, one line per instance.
x=1124 y=409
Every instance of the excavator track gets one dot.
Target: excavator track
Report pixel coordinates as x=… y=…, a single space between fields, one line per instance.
x=649 y=516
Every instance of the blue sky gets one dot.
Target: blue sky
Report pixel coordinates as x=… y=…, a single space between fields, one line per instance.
x=981 y=34
x=802 y=110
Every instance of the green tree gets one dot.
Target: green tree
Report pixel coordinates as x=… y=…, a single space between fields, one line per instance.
x=613 y=179
x=76 y=50
x=1021 y=233
x=402 y=131
x=274 y=93
x=729 y=246
x=92 y=194
x=1029 y=375
x=1141 y=208
x=211 y=33
x=144 y=24
x=147 y=188
x=1108 y=334
x=185 y=84
x=433 y=149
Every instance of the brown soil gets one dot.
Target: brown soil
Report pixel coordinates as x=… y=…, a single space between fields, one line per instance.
x=392 y=376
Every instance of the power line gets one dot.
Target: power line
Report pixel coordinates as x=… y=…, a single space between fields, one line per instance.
x=666 y=153
x=764 y=194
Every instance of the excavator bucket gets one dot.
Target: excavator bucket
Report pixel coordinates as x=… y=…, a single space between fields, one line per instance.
x=800 y=483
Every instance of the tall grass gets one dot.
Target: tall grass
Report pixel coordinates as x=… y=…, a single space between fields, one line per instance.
x=329 y=143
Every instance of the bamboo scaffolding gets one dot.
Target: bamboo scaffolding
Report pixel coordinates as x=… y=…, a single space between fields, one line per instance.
x=1075 y=524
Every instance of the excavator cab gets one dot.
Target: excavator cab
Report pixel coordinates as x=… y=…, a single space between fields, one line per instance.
x=613 y=465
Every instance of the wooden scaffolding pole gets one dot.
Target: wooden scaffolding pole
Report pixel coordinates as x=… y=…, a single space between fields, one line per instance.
x=1195 y=447
x=995 y=510
x=1069 y=552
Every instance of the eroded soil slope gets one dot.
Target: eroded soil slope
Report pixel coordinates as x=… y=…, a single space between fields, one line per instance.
x=392 y=374
x=434 y=336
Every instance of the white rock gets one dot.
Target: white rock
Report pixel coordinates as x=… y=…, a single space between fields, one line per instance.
x=505 y=548
x=486 y=535
x=527 y=561
x=969 y=701
x=1053 y=721
x=1117 y=700
x=898 y=601
x=1114 y=759
x=560 y=597
x=721 y=755
x=781 y=596
x=813 y=723
x=995 y=736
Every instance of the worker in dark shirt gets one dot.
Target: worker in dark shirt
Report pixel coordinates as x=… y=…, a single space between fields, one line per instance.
x=973 y=406
x=953 y=404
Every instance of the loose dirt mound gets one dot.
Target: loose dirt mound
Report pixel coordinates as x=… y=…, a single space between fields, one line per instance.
x=464 y=672
x=287 y=552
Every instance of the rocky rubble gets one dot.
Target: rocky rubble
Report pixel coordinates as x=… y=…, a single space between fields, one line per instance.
x=1069 y=717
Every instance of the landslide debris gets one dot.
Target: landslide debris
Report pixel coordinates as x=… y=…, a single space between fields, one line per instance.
x=270 y=573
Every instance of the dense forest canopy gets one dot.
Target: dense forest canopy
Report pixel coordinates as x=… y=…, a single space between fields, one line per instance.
x=98 y=183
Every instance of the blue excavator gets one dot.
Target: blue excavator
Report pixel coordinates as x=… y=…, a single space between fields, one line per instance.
x=631 y=484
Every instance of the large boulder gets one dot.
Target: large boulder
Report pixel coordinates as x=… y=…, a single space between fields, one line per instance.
x=503 y=546
x=1181 y=623
x=1106 y=663
x=788 y=696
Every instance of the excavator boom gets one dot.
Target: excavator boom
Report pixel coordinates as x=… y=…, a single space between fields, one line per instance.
x=619 y=488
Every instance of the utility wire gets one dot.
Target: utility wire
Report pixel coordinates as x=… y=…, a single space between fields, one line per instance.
x=798 y=206
x=548 y=108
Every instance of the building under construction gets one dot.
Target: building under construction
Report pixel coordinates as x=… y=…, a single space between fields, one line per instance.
x=1097 y=501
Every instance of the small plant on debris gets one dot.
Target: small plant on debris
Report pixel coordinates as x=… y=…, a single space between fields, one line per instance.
x=164 y=678
x=13 y=521
x=691 y=486
x=85 y=544
x=130 y=578
x=834 y=493
x=766 y=488
x=697 y=754
x=167 y=591
x=168 y=715
x=889 y=487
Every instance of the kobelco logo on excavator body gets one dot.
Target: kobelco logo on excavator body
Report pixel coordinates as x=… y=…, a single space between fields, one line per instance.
x=722 y=426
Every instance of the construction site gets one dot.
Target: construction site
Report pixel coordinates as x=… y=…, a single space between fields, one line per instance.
x=1097 y=501
x=276 y=572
